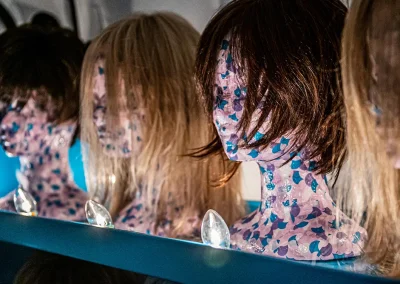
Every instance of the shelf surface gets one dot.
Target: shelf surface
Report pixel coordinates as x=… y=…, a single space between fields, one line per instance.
x=176 y=260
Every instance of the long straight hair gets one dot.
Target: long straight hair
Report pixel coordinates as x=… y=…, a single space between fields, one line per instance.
x=371 y=76
x=154 y=56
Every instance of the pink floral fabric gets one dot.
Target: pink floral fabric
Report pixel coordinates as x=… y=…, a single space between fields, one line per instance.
x=43 y=150
x=297 y=217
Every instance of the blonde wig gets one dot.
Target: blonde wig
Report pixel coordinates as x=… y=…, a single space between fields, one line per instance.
x=371 y=78
x=149 y=64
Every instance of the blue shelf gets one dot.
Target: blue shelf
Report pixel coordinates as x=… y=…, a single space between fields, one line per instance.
x=176 y=260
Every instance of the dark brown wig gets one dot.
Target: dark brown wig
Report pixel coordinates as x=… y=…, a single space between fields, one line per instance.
x=45 y=21
x=288 y=51
x=48 y=268
x=47 y=62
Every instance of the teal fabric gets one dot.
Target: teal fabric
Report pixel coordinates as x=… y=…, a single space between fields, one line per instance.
x=175 y=260
x=8 y=170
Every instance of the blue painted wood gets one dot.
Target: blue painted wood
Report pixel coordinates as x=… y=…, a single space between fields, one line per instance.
x=76 y=165
x=252 y=205
x=8 y=170
x=176 y=260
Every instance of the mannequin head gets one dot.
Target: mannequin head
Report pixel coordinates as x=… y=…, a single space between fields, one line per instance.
x=39 y=74
x=283 y=82
x=141 y=117
x=371 y=65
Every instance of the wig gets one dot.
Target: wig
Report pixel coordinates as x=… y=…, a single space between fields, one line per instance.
x=298 y=68
x=371 y=70
x=48 y=268
x=45 y=62
x=148 y=65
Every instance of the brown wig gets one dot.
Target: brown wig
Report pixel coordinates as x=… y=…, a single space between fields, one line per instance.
x=47 y=62
x=45 y=21
x=154 y=56
x=371 y=76
x=48 y=268
x=288 y=52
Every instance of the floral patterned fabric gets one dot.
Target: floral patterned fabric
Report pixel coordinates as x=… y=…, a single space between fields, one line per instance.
x=43 y=150
x=116 y=141
x=297 y=217
x=125 y=140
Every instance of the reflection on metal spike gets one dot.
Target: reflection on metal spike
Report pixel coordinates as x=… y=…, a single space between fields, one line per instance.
x=97 y=215
x=24 y=202
x=214 y=231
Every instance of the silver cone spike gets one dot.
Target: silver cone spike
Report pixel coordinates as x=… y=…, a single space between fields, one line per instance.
x=24 y=202
x=214 y=231
x=97 y=215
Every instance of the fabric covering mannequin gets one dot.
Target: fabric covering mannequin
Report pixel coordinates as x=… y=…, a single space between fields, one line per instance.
x=272 y=104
